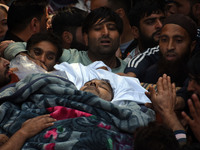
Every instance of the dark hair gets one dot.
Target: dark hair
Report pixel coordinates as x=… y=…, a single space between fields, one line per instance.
x=193 y=67
x=193 y=146
x=116 y=4
x=102 y=14
x=112 y=92
x=155 y=137
x=67 y=19
x=46 y=36
x=142 y=8
x=21 y=12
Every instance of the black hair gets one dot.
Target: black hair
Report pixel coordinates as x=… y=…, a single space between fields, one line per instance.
x=21 y=12
x=193 y=67
x=116 y=4
x=112 y=91
x=102 y=14
x=155 y=136
x=193 y=146
x=46 y=36
x=67 y=19
x=142 y=8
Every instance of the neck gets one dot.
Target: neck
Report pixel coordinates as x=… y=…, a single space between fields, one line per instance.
x=141 y=46
x=23 y=35
x=109 y=61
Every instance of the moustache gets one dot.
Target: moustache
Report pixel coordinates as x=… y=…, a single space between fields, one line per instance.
x=157 y=32
x=105 y=37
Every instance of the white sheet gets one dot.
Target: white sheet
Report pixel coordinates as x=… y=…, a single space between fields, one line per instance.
x=125 y=88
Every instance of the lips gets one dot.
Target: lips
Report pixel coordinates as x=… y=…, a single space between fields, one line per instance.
x=170 y=56
x=105 y=41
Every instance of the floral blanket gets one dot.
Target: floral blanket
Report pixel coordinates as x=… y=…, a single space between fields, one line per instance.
x=84 y=120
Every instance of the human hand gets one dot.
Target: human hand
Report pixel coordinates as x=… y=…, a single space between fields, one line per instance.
x=37 y=62
x=3 y=139
x=35 y=125
x=164 y=100
x=195 y=113
x=4 y=45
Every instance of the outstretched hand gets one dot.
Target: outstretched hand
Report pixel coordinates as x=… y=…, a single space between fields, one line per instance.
x=164 y=100
x=194 y=122
x=35 y=125
x=39 y=63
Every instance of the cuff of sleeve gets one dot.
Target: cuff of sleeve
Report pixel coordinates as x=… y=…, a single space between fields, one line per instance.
x=180 y=136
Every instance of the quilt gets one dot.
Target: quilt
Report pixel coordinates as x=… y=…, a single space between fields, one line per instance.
x=84 y=121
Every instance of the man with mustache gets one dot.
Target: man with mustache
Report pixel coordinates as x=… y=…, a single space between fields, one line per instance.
x=177 y=41
x=138 y=65
x=101 y=88
x=146 y=19
x=101 y=29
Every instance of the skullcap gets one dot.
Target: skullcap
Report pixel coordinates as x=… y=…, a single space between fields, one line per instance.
x=185 y=22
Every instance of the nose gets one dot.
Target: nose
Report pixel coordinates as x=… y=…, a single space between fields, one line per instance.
x=191 y=85
x=42 y=58
x=5 y=62
x=92 y=83
x=105 y=30
x=158 y=24
x=170 y=45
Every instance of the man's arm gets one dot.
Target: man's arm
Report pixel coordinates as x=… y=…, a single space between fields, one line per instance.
x=139 y=64
x=164 y=102
x=14 y=49
x=194 y=122
x=29 y=128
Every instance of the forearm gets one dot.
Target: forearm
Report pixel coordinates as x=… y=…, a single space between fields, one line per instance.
x=15 y=142
x=172 y=121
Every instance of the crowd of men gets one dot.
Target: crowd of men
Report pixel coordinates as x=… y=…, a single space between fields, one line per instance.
x=156 y=41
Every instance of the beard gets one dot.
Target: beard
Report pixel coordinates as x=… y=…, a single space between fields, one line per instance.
x=78 y=45
x=103 y=51
x=175 y=69
x=148 y=42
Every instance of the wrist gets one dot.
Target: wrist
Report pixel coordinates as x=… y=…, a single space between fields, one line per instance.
x=171 y=120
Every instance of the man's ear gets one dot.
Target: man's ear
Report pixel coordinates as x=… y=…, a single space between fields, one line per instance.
x=34 y=25
x=192 y=46
x=120 y=12
x=135 y=32
x=85 y=38
x=196 y=11
x=67 y=37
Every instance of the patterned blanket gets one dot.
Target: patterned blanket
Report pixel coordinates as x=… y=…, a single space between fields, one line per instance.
x=87 y=121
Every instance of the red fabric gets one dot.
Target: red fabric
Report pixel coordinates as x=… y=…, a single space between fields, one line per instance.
x=61 y=113
x=14 y=78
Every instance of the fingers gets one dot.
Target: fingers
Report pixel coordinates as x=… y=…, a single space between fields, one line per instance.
x=192 y=109
x=160 y=85
x=149 y=105
x=165 y=82
x=196 y=103
x=186 y=118
x=45 y=120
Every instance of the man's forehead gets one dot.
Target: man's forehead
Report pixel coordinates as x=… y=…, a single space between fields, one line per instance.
x=98 y=80
x=155 y=13
x=174 y=29
x=103 y=21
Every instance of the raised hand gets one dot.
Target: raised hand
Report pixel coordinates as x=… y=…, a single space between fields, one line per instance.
x=194 y=122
